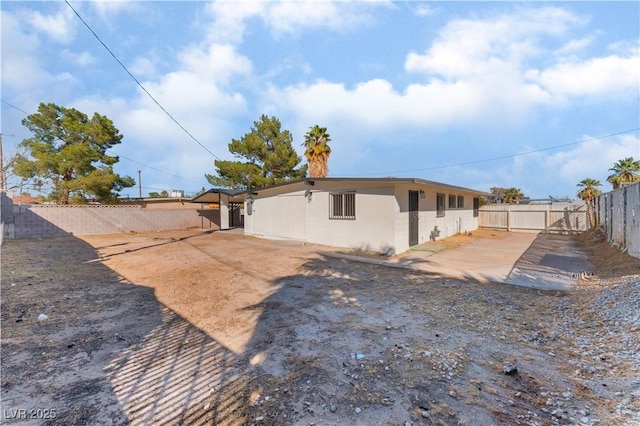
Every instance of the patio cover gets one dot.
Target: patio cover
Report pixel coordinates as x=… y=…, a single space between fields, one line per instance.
x=213 y=196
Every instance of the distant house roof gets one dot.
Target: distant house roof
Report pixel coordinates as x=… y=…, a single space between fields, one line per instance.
x=25 y=199
x=153 y=200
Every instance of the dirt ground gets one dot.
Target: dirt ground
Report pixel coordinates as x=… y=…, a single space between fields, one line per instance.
x=191 y=327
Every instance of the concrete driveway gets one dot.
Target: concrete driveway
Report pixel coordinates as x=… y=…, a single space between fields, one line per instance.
x=542 y=261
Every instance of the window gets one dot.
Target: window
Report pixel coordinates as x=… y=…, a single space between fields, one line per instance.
x=476 y=207
x=342 y=206
x=456 y=201
x=440 y=205
x=452 y=201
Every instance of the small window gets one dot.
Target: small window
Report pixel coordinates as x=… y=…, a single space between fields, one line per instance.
x=440 y=205
x=476 y=206
x=342 y=206
x=461 y=201
x=452 y=201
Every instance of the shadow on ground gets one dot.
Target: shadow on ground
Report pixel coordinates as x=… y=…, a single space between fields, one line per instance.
x=332 y=338
x=108 y=352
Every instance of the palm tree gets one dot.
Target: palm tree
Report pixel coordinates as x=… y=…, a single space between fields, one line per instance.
x=588 y=193
x=512 y=195
x=317 y=151
x=625 y=171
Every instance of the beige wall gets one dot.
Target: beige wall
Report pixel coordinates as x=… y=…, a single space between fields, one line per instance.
x=279 y=215
x=454 y=220
x=301 y=212
x=374 y=226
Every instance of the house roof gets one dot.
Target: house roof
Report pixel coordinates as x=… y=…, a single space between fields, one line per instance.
x=213 y=195
x=388 y=180
x=239 y=195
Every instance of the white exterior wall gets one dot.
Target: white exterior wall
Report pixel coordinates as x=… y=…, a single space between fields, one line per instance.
x=372 y=229
x=279 y=215
x=454 y=221
x=382 y=216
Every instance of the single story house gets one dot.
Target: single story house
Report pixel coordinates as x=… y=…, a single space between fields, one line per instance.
x=387 y=215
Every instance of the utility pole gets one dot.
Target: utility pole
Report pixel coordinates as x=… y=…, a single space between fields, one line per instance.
x=139 y=185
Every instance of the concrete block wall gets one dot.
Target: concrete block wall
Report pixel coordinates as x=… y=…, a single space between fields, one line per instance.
x=6 y=216
x=617 y=214
x=44 y=221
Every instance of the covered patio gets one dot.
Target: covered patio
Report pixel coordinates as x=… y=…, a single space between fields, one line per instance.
x=222 y=206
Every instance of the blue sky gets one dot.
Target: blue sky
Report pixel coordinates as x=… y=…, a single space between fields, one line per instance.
x=406 y=89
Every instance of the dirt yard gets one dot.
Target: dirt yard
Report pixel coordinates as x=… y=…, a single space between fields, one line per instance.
x=191 y=327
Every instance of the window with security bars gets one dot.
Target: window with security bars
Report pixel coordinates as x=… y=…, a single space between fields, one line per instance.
x=342 y=206
x=440 y=205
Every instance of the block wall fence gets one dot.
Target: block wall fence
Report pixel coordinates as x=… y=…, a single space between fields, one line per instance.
x=43 y=221
x=617 y=214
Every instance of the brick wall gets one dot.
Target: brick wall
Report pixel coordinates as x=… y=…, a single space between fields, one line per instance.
x=42 y=221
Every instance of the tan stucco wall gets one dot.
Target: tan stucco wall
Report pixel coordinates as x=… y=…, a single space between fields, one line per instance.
x=453 y=222
x=382 y=217
x=373 y=228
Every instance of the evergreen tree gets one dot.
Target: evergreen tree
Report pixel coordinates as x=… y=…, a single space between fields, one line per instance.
x=268 y=154
x=68 y=153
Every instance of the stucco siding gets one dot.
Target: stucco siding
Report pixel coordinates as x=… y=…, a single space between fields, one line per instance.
x=378 y=222
x=372 y=229
x=279 y=216
x=456 y=220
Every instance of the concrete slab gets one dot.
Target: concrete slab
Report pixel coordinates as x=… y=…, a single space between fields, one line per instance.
x=542 y=261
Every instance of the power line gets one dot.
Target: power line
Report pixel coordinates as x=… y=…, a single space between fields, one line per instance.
x=140 y=84
x=15 y=107
x=149 y=167
x=502 y=157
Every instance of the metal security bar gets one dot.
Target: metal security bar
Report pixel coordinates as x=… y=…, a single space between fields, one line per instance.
x=342 y=206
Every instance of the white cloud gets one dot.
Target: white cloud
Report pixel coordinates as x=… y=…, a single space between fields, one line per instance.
x=604 y=76
x=290 y=17
x=143 y=67
x=217 y=62
x=23 y=71
x=109 y=8
x=574 y=46
x=376 y=105
x=466 y=47
x=592 y=159
x=196 y=97
x=59 y=26
x=494 y=53
x=82 y=59
x=229 y=19
x=287 y=17
x=424 y=10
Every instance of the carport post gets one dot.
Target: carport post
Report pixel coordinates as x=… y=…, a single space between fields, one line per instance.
x=224 y=211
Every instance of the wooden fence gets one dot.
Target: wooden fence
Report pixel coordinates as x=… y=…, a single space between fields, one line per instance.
x=553 y=217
